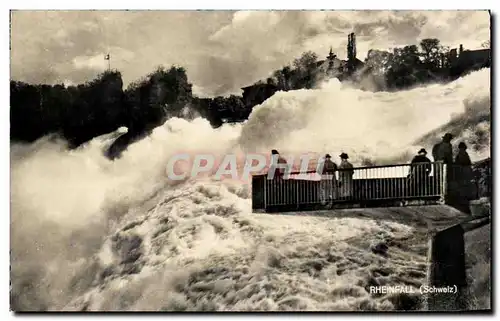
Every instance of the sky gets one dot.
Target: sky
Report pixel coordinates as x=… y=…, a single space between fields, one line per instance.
x=222 y=51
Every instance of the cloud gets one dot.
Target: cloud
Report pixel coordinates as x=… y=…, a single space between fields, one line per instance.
x=45 y=45
x=98 y=61
x=221 y=50
x=249 y=48
x=255 y=43
x=91 y=62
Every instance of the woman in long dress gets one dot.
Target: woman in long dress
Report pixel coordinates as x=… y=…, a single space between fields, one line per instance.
x=346 y=171
x=463 y=175
x=328 y=181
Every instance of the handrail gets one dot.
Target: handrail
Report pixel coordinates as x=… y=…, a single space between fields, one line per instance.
x=432 y=182
x=311 y=171
x=382 y=186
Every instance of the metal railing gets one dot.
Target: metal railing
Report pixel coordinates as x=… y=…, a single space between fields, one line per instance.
x=359 y=185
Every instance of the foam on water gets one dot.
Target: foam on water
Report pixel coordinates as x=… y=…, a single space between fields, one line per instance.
x=88 y=233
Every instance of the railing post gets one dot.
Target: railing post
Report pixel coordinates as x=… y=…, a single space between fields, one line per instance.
x=297 y=194
x=375 y=183
x=444 y=185
x=266 y=180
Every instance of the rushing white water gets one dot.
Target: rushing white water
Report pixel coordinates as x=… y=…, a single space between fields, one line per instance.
x=363 y=124
x=89 y=233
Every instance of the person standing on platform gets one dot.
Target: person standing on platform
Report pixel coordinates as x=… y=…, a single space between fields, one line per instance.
x=276 y=159
x=419 y=174
x=328 y=181
x=346 y=171
x=463 y=173
x=443 y=150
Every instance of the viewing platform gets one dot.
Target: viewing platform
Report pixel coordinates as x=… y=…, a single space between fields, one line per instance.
x=370 y=186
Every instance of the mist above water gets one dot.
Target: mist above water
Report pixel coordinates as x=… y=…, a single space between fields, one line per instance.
x=337 y=118
x=89 y=233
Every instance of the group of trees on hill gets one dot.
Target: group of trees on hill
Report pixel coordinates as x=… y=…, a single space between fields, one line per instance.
x=82 y=112
x=399 y=68
x=79 y=113
x=302 y=73
x=410 y=65
x=76 y=112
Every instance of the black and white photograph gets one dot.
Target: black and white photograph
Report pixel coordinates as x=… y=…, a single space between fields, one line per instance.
x=250 y=160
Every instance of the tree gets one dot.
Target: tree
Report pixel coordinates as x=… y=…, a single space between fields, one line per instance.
x=377 y=64
x=305 y=61
x=170 y=88
x=305 y=70
x=431 y=49
x=78 y=113
x=279 y=78
x=163 y=93
x=282 y=77
x=403 y=67
x=271 y=81
x=286 y=71
x=377 y=61
x=236 y=107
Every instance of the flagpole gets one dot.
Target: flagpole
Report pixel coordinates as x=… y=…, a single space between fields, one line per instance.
x=108 y=58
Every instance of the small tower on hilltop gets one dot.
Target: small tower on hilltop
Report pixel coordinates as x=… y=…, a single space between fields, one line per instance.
x=331 y=59
x=331 y=56
x=108 y=58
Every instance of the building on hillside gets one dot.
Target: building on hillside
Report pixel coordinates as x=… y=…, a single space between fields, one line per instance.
x=475 y=59
x=468 y=60
x=332 y=66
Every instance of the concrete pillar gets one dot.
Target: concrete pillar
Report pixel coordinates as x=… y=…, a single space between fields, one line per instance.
x=446 y=268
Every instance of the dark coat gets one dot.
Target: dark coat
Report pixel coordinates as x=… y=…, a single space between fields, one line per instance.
x=279 y=172
x=420 y=166
x=462 y=171
x=463 y=176
x=463 y=158
x=443 y=151
x=329 y=167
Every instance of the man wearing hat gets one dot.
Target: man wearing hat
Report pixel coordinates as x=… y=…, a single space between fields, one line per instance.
x=328 y=181
x=277 y=163
x=421 y=157
x=346 y=171
x=329 y=167
x=419 y=173
x=443 y=151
